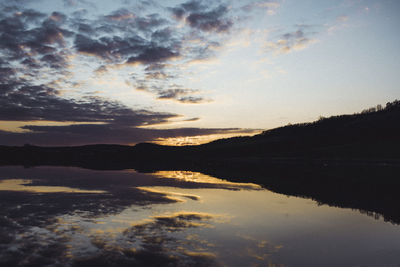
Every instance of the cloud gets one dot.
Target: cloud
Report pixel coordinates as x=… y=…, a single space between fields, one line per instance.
x=203 y=18
x=23 y=101
x=175 y=93
x=291 y=41
x=172 y=92
x=153 y=55
x=45 y=44
x=192 y=119
x=35 y=41
x=211 y=20
x=114 y=49
x=30 y=15
x=44 y=55
x=123 y=37
x=192 y=99
x=54 y=61
x=150 y=23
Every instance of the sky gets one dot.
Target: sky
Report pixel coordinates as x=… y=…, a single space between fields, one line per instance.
x=76 y=72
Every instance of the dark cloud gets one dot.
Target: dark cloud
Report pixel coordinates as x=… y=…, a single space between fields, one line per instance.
x=192 y=119
x=163 y=36
x=192 y=99
x=6 y=71
x=210 y=21
x=84 y=28
x=181 y=95
x=188 y=7
x=34 y=40
x=38 y=43
x=55 y=61
x=124 y=22
x=23 y=101
x=153 y=55
x=150 y=23
x=193 y=6
x=120 y=43
x=30 y=15
x=203 y=18
x=12 y=30
x=31 y=63
x=57 y=17
x=160 y=46
x=121 y=37
x=50 y=32
x=94 y=47
x=37 y=50
x=171 y=92
x=178 y=12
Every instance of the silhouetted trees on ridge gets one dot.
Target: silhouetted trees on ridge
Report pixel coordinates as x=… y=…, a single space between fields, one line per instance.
x=373 y=134
x=390 y=107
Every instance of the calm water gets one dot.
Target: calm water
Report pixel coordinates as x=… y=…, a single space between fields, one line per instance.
x=60 y=216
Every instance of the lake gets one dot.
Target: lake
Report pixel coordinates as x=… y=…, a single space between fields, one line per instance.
x=67 y=216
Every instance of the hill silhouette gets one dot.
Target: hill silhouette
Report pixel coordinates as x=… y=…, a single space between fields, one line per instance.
x=348 y=161
x=371 y=134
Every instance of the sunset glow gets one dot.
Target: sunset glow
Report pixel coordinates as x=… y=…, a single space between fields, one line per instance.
x=187 y=72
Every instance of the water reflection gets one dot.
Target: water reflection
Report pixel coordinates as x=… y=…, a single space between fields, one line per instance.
x=200 y=178
x=25 y=185
x=70 y=216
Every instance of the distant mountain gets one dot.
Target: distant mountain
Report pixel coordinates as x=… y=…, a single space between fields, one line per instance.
x=371 y=134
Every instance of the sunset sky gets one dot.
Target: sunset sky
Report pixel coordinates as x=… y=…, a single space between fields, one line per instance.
x=79 y=72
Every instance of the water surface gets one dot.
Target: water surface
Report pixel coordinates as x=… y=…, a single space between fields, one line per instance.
x=59 y=216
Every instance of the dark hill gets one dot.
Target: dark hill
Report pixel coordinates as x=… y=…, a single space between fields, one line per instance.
x=370 y=134
x=347 y=161
x=373 y=134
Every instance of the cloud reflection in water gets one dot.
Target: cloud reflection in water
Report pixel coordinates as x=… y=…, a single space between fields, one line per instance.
x=175 y=219
x=70 y=216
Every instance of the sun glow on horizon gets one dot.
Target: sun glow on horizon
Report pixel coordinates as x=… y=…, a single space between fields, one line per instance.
x=198 y=140
x=147 y=72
